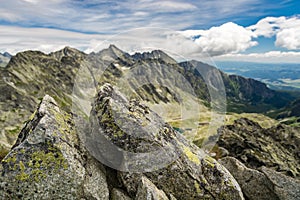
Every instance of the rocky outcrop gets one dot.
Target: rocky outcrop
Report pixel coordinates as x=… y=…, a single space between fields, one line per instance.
x=265 y=162
x=49 y=160
x=277 y=147
x=25 y=81
x=154 y=55
x=148 y=191
x=262 y=184
x=155 y=149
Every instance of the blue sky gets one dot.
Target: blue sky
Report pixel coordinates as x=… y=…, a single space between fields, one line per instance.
x=264 y=30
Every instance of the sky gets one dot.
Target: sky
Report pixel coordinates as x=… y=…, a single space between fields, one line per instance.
x=221 y=30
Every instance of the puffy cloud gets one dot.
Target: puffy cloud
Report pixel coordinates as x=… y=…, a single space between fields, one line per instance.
x=285 y=29
x=289 y=38
x=227 y=38
x=267 y=26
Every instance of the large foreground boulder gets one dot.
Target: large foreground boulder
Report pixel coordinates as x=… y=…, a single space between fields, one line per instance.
x=152 y=151
x=47 y=161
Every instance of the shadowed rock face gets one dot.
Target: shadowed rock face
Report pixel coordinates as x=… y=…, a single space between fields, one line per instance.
x=4 y=59
x=49 y=161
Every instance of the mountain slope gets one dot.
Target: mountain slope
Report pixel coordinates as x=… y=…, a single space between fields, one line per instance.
x=27 y=78
x=243 y=94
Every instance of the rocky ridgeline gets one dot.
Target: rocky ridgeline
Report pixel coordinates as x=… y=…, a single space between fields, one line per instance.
x=49 y=161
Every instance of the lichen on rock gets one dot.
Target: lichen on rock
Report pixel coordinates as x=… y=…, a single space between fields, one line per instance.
x=46 y=162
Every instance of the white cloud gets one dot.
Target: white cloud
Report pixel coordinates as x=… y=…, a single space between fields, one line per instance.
x=267 y=57
x=285 y=29
x=111 y=16
x=171 y=6
x=227 y=38
x=266 y=27
x=288 y=38
x=16 y=39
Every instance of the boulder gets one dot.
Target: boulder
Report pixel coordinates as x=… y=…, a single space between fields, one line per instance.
x=254 y=184
x=153 y=149
x=118 y=194
x=47 y=161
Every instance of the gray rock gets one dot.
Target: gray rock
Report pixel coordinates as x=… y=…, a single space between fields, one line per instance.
x=47 y=161
x=277 y=147
x=265 y=184
x=254 y=184
x=148 y=191
x=118 y=194
x=173 y=165
x=285 y=187
x=50 y=161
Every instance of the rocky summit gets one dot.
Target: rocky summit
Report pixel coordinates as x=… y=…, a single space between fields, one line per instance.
x=50 y=161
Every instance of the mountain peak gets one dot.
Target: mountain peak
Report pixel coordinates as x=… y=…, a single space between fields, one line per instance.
x=113 y=53
x=115 y=50
x=154 y=55
x=114 y=47
x=67 y=51
x=6 y=54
